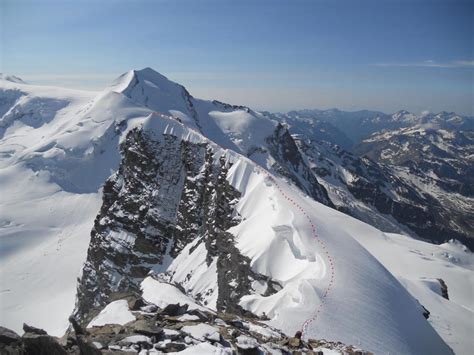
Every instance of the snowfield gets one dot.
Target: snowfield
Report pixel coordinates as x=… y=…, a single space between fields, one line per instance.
x=57 y=148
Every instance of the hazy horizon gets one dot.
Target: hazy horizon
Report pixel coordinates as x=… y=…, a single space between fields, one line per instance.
x=413 y=55
x=66 y=82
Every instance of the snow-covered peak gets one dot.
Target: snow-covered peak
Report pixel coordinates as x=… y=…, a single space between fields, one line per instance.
x=404 y=116
x=11 y=78
x=233 y=127
x=148 y=88
x=146 y=78
x=59 y=146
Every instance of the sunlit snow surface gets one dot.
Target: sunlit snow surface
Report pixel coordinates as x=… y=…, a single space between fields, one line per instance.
x=116 y=312
x=52 y=167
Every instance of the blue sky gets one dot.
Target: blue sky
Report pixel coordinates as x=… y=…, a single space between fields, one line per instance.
x=275 y=55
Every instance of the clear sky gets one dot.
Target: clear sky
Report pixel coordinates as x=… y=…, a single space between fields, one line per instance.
x=275 y=55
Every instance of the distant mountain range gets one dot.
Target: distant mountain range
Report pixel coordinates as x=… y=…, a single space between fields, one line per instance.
x=348 y=129
x=410 y=173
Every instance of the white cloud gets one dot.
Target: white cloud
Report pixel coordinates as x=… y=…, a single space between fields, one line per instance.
x=431 y=64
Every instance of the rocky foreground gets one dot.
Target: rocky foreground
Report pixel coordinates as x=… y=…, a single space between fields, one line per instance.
x=172 y=329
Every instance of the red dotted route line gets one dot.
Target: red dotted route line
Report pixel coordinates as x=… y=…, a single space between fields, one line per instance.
x=316 y=313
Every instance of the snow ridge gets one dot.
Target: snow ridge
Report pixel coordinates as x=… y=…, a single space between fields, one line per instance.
x=330 y=259
x=44 y=164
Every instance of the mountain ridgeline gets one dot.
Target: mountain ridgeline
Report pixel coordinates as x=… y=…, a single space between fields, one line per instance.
x=166 y=196
x=401 y=172
x=194 y=221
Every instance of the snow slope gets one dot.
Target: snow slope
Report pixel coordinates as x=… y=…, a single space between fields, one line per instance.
x=43 y=242
x=116 y=312
x=418 y=266
x=58 y=147
x=234 y=127
x=366 y=305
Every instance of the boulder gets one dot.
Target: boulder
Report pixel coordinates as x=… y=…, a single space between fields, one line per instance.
x=77 y=328
x=203 y=317
x=145 y=327
x=175 y=347
x=174 y=310
x=237 y=323
x=86 y=347
x=106 y=330
x=30 y=329
x=294 y=342
x=248 y=351
x=41 y=344
x=8 y=336
x=134 y=303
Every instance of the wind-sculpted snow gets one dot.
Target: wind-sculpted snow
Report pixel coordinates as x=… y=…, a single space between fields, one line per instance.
x=275 y=235
x=168 y=193
x=365 y=295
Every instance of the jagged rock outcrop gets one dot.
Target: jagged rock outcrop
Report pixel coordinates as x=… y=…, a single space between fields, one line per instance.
x=161 y=331
x=291 y=164
x=407 y=173
x=34 y=341
x=167 y=194
x=387 y=197
x=442 y=154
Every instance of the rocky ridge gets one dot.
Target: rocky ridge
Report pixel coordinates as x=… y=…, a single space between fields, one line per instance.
x=188 y=212
x=167 y=195
x=402 y=173
x=172 y=329
x=387 y=197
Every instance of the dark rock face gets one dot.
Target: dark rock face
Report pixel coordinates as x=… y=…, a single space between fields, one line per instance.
x=166 y=194
x=444 y=288
x=41 y=345
x=8 y=336
x=412 y=173
x=86 y=347
x=387 y=191
x=29 y=329
x=426 y=313
x=174 y=310
x=34 y=342
x=438 y=163
x=290 y=163
x=143 y=327
x=229 y=333
x=446 y=154
x=134 y=225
